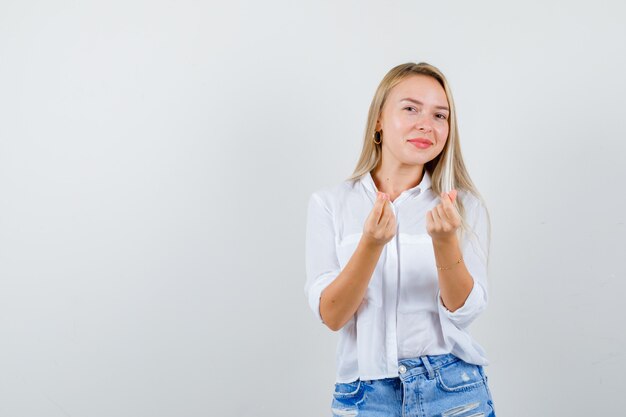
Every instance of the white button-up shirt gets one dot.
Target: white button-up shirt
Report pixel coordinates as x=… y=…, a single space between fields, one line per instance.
x=401 y=315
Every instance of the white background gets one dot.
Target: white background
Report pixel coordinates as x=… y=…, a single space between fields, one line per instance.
x=156 y=159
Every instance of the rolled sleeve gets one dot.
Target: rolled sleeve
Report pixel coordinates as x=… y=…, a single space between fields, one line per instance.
x=322 y=265
x=475 y=303
x=475 y=251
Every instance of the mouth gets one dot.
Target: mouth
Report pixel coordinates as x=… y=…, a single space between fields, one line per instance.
x=421 y=143
x=421 y=140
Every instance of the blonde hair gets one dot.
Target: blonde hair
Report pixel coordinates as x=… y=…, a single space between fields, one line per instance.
x=447 y=169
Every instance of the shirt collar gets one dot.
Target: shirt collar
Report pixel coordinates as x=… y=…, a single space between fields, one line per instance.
x=425 y=184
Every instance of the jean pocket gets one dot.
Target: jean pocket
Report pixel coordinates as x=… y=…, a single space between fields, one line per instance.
x=459 y=376
x=347 y=398
x=348 y=390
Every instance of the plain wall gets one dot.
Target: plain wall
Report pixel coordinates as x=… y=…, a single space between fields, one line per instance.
x=156 y=159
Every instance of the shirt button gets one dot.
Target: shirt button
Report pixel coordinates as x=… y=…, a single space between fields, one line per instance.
x=402 y=369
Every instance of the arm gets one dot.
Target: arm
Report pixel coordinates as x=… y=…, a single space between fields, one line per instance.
x=334 y=294
x=456 y=283
x=462 y=294
x=341 y=299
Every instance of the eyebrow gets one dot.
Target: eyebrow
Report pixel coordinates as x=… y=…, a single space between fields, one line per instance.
x=420 y=103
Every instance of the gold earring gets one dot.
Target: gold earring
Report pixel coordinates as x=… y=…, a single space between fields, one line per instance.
x=379 y=138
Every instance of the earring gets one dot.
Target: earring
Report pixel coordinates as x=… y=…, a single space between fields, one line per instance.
x=377 y=135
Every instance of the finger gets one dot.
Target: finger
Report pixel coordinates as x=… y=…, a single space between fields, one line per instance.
x=387 y=222
x=443 y=214
x=436 y=219
x=384 y=211
x=430 y=220
x=447 y=221
x=445 y=204
x=382 y=215
x=453 y=194
x=388 y=215
x=379 y=207
x=448 y=204
x=453 y=216
x=446 y=199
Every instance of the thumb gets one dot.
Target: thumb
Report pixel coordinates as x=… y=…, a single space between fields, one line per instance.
x=453 y=195
x=379 y=206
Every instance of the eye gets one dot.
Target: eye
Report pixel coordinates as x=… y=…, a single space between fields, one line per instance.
x=407 y=108
x=442 y=116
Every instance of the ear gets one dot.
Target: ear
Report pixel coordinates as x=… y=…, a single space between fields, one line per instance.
x=379 y=125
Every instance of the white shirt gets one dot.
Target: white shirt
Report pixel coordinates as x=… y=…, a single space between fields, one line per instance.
x=401 y=315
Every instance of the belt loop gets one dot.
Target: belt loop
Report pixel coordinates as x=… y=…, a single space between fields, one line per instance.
x=429 y=368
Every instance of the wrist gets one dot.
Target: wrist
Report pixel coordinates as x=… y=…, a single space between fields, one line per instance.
x=445 y=241
x=371 y=244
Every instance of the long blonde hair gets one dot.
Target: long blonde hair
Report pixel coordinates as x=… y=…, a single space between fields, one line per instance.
x=447 y=169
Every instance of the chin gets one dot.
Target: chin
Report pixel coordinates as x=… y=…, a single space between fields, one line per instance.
x=419 y=160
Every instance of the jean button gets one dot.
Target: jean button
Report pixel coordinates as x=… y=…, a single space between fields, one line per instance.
x=402 y=369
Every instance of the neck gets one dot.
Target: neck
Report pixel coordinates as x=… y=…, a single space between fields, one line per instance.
x=395 y=180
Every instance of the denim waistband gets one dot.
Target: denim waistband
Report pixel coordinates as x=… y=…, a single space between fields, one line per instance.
x=426 y=363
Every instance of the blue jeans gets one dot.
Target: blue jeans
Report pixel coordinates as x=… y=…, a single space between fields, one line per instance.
x=432 y=385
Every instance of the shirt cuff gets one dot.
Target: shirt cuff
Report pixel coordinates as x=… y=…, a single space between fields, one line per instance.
x=315 y=292
x=467 y=310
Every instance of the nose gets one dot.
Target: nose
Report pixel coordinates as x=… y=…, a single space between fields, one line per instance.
x=423 y=124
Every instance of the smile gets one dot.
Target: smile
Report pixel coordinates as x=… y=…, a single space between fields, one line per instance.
x=421 y=144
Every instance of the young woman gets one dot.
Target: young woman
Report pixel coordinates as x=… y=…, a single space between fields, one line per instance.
x=396 y=260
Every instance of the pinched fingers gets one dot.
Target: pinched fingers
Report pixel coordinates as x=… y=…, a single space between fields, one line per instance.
x=379 y=208
x=380 y=221
x=444 y=219
x=446 y=209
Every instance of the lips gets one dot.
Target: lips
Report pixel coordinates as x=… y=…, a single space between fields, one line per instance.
x=422 y=141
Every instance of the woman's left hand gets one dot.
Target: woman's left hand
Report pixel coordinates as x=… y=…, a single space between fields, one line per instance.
x=444 y=219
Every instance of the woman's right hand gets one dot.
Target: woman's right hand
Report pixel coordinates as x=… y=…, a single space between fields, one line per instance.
x=380 y=225
x=341 y=299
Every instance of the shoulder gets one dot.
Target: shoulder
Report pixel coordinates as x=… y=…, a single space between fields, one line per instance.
x=475 y=208
x=329 y=196
x=470 y=200
x=478 y=223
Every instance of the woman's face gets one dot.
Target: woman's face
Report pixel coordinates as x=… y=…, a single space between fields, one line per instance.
x=416 y=108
